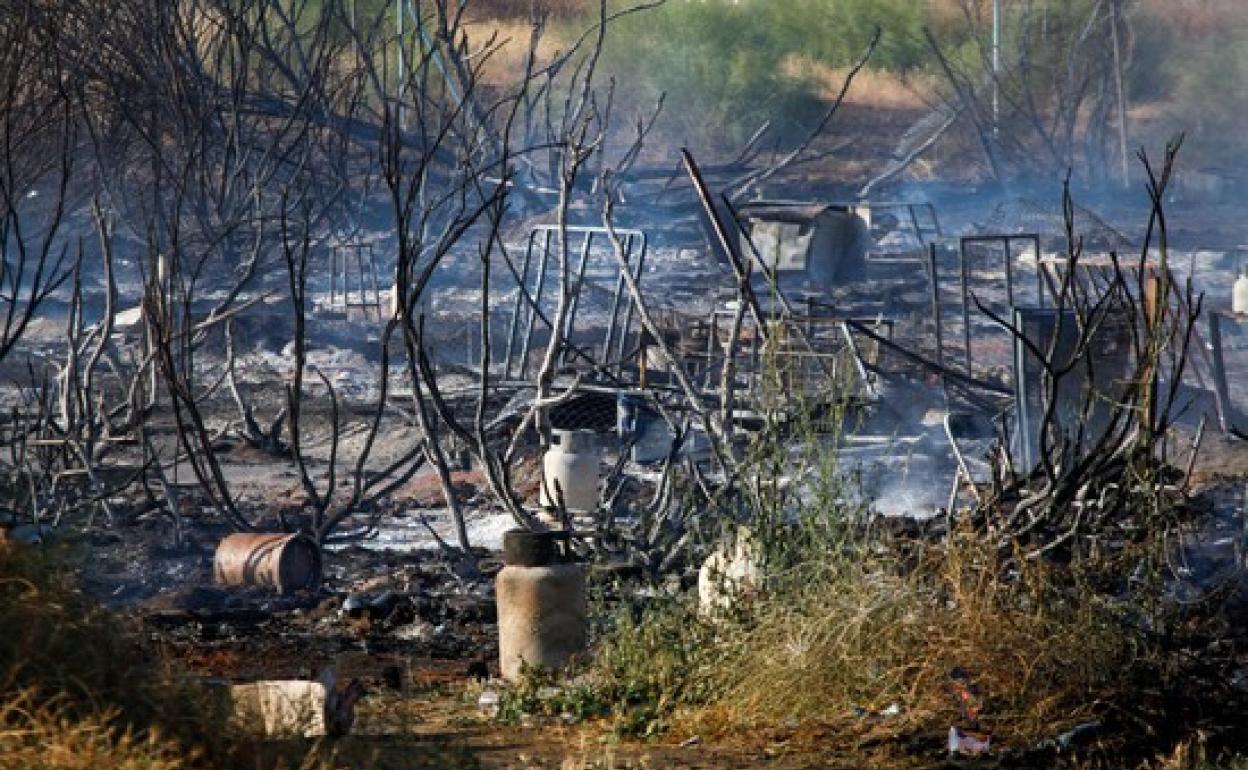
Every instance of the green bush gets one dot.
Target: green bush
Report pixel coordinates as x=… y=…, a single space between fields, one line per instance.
x=722 y=64
x=1208 y=96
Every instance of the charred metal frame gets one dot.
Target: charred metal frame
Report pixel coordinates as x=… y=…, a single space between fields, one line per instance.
x=342 y=258
x=922 y=232
x=1207 y=356
x=1228 y=415
x=1007 y=241
x=532 y=280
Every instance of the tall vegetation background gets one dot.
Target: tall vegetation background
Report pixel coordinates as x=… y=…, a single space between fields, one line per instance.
x=728 y=67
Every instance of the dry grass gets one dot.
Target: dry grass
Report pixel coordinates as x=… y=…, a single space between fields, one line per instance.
x=76 y=688
x=47 y=736
x=868 y=637
x=512 y=38
x=871 y=87
x=838 y=636
x=510 y=9
x=1195 y=19
x=81 y=690
x=58 y=644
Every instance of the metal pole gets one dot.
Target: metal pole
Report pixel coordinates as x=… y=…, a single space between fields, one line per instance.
x=996 y=67
x=966 y=307
x=1115 y=22
x=398 y=14
x=935 y=281
x=1009 y=272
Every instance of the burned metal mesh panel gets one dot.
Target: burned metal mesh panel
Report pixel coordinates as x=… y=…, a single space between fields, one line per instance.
x=601 y=329
x=586 y=411
x=998 y=273
x=803 y=357
x=353 y=278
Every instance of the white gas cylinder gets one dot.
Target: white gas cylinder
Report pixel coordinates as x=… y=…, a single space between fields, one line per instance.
x=570 y=468
x=1239 y=295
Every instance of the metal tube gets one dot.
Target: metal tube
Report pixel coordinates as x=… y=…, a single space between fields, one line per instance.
x=1009 y=271
x=1221 y=389
x=333 y=276
x=372 y=273
x=1039 y=272
x=966 y=310
x=522 y=306
x=398 y=13
x=613 y=315
x=935 y=282
x=537 y=300
x=996 y=67
x=577 y=288
x=628 y=307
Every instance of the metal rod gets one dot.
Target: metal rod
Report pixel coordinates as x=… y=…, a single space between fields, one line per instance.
x=398 y=13
x=333 y=276
x=521 y=306
x=966 y=310
x=1022 y=402
x=996 y=68
x=372 y=273
x=566 y=332
x=1039 y=273
x=931 y=210
x=935 y=283
x=616 y=294
x=628 y=307
x=1009 y=271
x=537 y=299
x=725 y=242
x=914 y=222
x=1218 y=364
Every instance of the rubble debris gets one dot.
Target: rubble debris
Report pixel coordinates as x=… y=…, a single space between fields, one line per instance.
x=808 y=243
x=730 y=574
x=295 y=708
x=642 y=429
x=542 y=609
x=279 y=561
x=488 y=703
x=969 y=699
x=966 y=744
x=1077 y=736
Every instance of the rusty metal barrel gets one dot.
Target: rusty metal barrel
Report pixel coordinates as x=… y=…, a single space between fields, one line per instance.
x=280 y=561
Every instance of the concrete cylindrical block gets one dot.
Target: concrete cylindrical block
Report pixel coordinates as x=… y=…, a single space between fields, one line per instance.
x=280 y=561
x=542 y=615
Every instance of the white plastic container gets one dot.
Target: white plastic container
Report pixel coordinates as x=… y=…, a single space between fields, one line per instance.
x=571 y=468
x=1239 y=295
